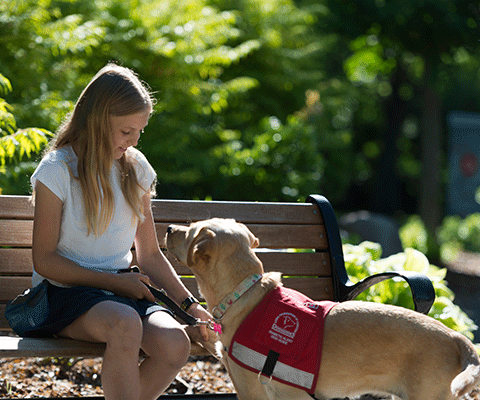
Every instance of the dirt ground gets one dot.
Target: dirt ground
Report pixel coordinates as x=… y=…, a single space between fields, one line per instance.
x=76 y=377
x=37 y=377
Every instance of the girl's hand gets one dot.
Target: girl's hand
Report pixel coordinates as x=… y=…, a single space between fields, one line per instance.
x=199 y=312
x=133 y=286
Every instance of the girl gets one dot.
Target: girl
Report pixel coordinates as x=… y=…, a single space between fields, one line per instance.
x=92 y=195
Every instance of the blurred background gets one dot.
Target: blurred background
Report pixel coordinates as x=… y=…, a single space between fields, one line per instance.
x=372 y=103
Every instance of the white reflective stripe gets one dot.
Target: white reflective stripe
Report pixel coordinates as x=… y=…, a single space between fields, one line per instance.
x=282 y=371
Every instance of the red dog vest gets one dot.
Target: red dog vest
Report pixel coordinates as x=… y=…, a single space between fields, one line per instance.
x=289 y=326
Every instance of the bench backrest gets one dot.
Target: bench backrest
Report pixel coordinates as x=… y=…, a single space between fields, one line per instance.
x=282 y=228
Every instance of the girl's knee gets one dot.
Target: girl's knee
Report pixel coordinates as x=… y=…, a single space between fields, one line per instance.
x=124 y=329
x=170 y=345
x=177 y=345
x=177 y=350
x=182 y=346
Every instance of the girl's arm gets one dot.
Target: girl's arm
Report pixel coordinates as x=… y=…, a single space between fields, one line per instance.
x=152 y=261
x=48 y=263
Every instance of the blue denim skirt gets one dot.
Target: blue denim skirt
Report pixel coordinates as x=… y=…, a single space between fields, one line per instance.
x=67 y=304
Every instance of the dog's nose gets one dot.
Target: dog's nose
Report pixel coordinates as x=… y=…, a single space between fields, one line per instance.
x=169 y=229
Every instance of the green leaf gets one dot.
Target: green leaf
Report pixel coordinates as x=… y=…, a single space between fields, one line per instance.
x=5 y=86
x=22 y=145
x=416 y=261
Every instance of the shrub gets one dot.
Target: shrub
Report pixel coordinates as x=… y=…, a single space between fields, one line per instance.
x=364 y=260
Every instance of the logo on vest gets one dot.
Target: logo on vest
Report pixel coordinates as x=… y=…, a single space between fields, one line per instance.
x=284 y=328
x=312 y=306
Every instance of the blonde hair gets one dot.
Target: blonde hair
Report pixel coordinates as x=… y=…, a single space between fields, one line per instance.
x=113 y=91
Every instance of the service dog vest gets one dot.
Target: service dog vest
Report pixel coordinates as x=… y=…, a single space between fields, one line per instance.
x=282 y=338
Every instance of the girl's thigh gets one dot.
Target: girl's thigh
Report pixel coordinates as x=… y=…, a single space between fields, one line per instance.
x=103 y=319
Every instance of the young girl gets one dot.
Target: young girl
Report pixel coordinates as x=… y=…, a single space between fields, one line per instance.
x=92 y=195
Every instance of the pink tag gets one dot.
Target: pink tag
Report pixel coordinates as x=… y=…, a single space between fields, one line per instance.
x=217 y=328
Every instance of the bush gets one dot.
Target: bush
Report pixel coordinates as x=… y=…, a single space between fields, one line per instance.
x=364 y=260
x=457 y=234
x=454 y=235
x=17 y=147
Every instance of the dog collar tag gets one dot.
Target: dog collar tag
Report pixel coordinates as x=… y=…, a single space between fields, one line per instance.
x=217 y=328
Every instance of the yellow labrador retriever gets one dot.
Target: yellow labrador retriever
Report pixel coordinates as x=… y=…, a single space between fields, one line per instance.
x=367 y=347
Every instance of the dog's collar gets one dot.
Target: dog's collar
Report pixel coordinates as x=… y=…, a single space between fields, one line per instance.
x=219 y=311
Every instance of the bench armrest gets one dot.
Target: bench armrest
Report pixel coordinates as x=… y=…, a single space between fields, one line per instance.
x=422 y=289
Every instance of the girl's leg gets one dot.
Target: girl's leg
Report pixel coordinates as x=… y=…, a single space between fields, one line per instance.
x=167 y=347
x=120 y=327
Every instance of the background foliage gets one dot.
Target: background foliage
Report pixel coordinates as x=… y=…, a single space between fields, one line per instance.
x=16 y=146
x=258 y=100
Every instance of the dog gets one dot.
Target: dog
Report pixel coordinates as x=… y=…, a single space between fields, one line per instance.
x=367 y=347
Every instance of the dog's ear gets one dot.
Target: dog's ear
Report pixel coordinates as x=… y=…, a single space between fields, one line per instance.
x=202 y=247
x=254 y=242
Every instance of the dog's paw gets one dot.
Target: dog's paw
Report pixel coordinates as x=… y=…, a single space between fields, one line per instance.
x=200 y=347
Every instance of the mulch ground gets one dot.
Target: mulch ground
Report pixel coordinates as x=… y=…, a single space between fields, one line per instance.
x=76 y=377
x=38 y=377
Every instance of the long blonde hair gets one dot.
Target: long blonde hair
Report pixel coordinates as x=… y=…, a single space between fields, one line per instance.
x=113 y=91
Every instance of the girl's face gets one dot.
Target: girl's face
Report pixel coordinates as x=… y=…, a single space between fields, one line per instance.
x=127 y=130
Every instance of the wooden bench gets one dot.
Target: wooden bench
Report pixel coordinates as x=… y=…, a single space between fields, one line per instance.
x=320 y=274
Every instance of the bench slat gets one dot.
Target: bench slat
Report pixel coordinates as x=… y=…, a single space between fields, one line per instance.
x=18 y=262
x=290 y=264
x=15 y=261
x=13 y=347
x=19 y=207
x=18 y=233
x=33 y=347
x=16 y=207
x=13 y=286
x=246 y=212
x=277 y=236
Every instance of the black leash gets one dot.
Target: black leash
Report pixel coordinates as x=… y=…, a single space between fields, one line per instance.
x=161 y=295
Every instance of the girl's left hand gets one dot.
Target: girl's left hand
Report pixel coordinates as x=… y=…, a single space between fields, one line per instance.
x=198 y=311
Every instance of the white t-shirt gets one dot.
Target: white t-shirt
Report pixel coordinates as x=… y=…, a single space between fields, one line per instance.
x=110 y=251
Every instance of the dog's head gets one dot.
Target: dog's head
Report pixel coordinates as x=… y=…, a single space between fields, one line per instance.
x=216 y=250
x=205 y=241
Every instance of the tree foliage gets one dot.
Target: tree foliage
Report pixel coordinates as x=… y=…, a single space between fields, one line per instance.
x=411 y=62
x=230 y=77
x=16 y=145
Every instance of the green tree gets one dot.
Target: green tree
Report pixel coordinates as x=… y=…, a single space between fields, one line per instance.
x=231 y=81
x=414 y=60
x=16 y=146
